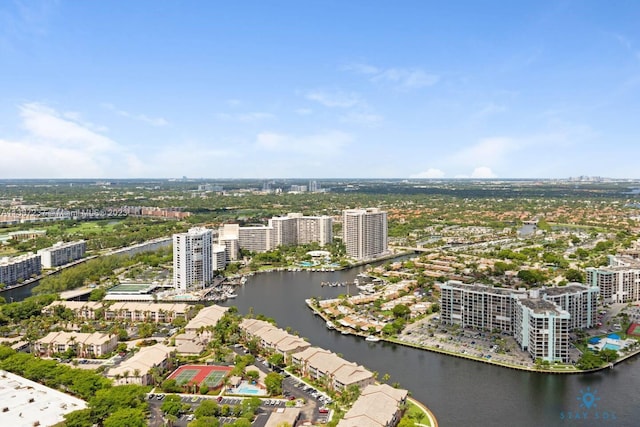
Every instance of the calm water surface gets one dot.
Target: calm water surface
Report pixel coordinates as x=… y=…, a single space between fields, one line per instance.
x=459 y=392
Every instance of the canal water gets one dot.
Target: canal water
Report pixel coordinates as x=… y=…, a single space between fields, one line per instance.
x=458 y=391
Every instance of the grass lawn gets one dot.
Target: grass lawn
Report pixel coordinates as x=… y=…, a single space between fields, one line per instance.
x=416 y=414
x=93 y=228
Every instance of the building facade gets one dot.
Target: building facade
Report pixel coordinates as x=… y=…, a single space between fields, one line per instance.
x=62 y=253
x=539 y=319
x=17 y=269
x=542 y=329
x=364 y=232
x=619 y=282
x=192 y=258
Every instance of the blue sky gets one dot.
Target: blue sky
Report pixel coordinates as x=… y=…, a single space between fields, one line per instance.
x=283 y=89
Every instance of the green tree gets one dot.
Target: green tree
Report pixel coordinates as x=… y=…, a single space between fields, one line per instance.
x=574 y=275
x=401 y=311
x=172 y=404
x=204 y=422
x=273 y=382
x=208 y=408
x=126 y=417
x=80 y=418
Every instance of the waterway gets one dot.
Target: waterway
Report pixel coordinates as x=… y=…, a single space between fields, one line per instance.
x=458 y=391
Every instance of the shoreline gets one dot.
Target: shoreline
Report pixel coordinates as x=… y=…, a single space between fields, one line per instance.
x=474 y=358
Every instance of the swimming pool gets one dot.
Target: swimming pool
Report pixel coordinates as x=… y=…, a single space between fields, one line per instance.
x=609 y=346
x=246 y=388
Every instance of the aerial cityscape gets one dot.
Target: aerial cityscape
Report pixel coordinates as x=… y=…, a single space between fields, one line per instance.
x=277 y=214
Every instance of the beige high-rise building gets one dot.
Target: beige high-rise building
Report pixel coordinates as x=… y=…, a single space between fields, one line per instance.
x=364 y=232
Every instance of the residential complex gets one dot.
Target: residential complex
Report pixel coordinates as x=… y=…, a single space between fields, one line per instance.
x=297 y=229
x=364 y=232
x=619 y=281
x=332 y=370
x=130 y=311
x=272 y=338
x=542 y=329
x=17 y=269
x=83 y=344
x=539 y=319
x=62 y=253
x=139 y=369
x=378 y=405
x=292 y=229
x=192 y=258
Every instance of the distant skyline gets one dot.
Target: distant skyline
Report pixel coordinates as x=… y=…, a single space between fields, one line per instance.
x=324 y=89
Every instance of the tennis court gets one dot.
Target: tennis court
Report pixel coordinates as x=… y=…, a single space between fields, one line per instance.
x=212 y=376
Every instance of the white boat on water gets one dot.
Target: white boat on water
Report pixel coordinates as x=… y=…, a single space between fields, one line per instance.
x=330 y=325
x=231 y=296
x=372 y=338
x=345 y=332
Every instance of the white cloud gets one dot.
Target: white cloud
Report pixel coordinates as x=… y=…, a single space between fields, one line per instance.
x=322 y=144
x=431 y=173
x=488 y=151
x=483 y=172
x=52 y=128
x=366 y=119
x=334 y=99
x=57 y=145
x=407 y=78
x=246 y=117
x=403 y=78
x=153 y=121
x=488 y=110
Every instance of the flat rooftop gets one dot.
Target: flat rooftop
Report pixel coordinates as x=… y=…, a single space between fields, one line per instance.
x=28 y=402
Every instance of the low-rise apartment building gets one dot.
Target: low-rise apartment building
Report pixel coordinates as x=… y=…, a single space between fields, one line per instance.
x=138 y=369
x=272 y=338
x=377 y=406
x=84 y=344
x=333 y=370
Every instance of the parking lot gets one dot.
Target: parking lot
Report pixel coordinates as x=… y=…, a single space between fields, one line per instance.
x=491 y=346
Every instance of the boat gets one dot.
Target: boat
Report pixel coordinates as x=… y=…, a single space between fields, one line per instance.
x=372 y=338
x=330 y=325
x=230 y=295
x=345 y=332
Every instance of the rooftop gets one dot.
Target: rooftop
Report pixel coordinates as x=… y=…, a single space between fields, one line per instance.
x=29 y=403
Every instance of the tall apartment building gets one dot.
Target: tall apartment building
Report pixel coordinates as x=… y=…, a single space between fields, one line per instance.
x=297 y=229
x=192 y=258
x=16 y=269
x=62 y=253
x=542 y=329
x=539 y=319
x=364 y=232
x=578 y=300
x=619 y=281
x=478 y=306
x=218 y=257
x=229 y=236
x=292 y=229
x=256 y=238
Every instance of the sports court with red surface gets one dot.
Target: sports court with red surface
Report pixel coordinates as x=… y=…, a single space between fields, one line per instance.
x=212 y=376
x=634 y=329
